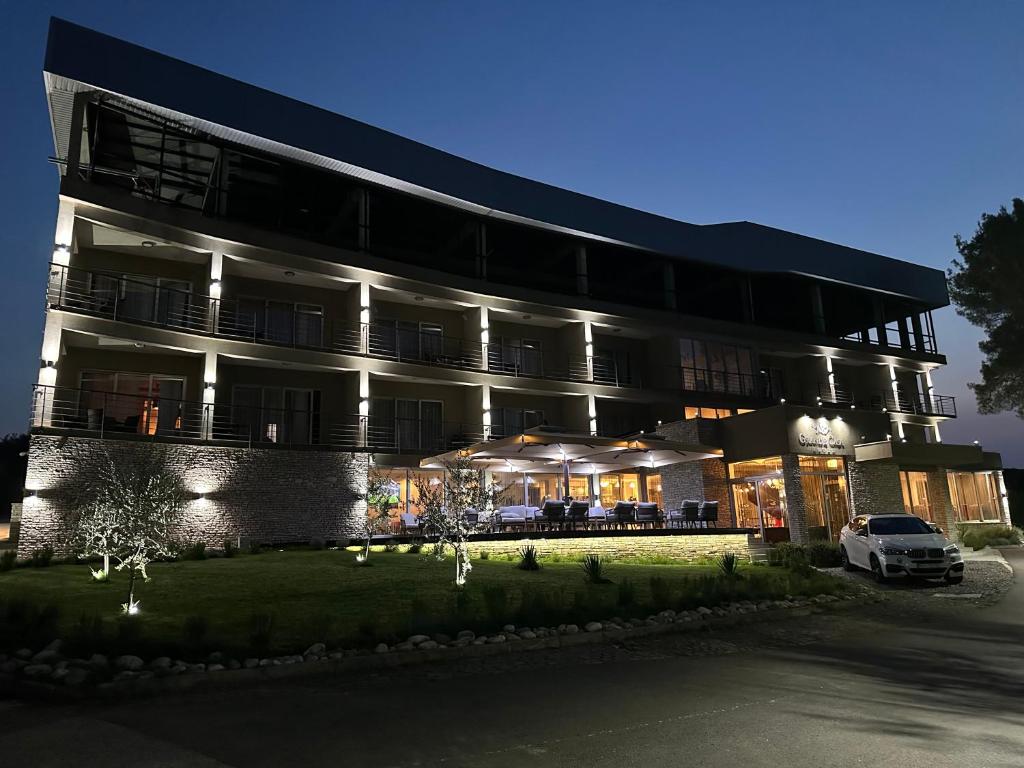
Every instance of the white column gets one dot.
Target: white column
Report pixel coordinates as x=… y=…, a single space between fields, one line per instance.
x=592 y=413
x=49 y=354
x=588 y=350
x=209 y=393
x=364 y=406
x=485 y=340
x=830 y=374
x=364 y=321
x=216 y=272
x=485 y=409
x=897 y=421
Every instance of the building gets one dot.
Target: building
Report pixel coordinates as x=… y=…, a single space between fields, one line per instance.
x=282 y=295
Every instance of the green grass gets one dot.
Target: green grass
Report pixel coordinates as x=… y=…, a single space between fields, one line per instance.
x=324 y=596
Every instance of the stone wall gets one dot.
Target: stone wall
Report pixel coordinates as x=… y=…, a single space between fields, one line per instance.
x=703 y=480
x=941 y=503
x=875 y=488
x=796 y=507
x=677 y=547
x=263 y=494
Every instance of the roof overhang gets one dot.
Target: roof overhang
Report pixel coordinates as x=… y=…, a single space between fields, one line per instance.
x=540 y=451
x=929 y=455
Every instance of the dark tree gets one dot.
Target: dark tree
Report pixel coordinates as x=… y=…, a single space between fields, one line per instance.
x=13 y=465
x=987 y=287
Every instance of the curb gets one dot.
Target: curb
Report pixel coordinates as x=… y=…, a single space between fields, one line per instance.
x=369 y=662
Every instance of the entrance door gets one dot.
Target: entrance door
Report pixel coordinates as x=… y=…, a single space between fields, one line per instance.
x=761 y=503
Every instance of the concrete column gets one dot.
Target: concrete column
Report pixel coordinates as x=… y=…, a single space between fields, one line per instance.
x=49 y=355
x=796 y=507
x=364 y=407
x=915 y=323
x=941 y=503
x=1003 y=499
x=364 y=318
x=216 y=273
x=209 y=394
x=485 y=410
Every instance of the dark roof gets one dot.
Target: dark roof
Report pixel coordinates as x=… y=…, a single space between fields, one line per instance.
x=104 y=62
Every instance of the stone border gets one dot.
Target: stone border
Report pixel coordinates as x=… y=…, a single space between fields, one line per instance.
x=145 y=682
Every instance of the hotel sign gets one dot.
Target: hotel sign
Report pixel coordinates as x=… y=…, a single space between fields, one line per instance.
x=821 y=436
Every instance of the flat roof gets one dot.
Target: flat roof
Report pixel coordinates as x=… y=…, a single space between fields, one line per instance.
x=78 y=58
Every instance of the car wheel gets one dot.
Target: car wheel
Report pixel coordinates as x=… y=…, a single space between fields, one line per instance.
x=847 y=565
x=876 y=570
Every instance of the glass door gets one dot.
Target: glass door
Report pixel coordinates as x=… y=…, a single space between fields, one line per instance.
x=761 y=504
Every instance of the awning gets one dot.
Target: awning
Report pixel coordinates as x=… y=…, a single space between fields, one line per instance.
x=541 y=450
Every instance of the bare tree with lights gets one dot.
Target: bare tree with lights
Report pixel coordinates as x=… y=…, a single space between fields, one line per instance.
x=381 y=495
x=128 y=512
x=452 y=507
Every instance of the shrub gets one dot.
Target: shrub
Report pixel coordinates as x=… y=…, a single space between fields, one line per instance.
x=981 y=536
x=485 y=554
x=194 y=551
x=415 y=549
x=193 y=631
x=729 y=564
x=8 y=559
x=593 y=569
x=528 y=558
x=230 y=549
x=41 y=558
x=261 y=632
x=539 y=607
x=254 y=547
x=391 y=546
x=823 y=554
x=317 y=542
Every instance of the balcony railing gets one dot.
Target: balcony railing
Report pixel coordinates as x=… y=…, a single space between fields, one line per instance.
x=914 y=333
x=117 y=415
x=754 y=386
x=146 y=302
x=916 y=403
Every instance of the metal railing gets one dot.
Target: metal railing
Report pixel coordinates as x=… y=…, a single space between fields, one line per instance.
x=916 y=403
x=916 y=333
x=749 y=385
x=137 y=300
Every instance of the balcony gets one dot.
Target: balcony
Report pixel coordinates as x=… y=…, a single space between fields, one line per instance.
x=147 y=302
x=750 y=386
x=114 y=415
x=913 y=403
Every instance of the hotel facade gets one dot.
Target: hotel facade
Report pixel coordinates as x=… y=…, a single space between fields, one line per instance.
x=284 y=297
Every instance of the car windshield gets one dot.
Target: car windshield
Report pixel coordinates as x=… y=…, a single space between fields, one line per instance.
x=904 y=524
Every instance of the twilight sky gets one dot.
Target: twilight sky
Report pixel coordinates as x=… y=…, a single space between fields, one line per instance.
x=884 y=126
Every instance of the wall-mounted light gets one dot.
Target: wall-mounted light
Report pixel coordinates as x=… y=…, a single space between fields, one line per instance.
x=782 y=400
x=148 y=243
x=47 y=364
x=853 y=406
x=211 y=384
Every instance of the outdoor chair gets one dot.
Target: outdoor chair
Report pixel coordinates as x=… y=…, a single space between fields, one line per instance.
x=691 y=513
x=708 y=514
x=579 y=512
x=472 y=517
x=410 y=523
x=625 y=513
x=553 y=513
x=511 y=517
x=647 y=514
x=597 y=516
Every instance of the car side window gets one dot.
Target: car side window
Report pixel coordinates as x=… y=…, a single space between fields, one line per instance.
x=857 y=524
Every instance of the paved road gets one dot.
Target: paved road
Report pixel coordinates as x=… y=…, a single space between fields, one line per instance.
x=917 y=681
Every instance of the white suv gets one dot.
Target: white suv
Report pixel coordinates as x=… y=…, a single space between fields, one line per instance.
x=899 y=546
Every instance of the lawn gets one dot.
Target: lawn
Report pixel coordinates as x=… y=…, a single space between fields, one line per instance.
x=324 y=596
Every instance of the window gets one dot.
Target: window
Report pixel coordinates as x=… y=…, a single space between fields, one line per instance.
x=406 y=425
x=144 y=403
x=279 y=322
x=407 y=340
x=285 y=415
x=514 y=421
x=915 y=494
x=619 y=486
x=540 y=488
x=653 y=487
x=709 y=366
x=769 y=466
x=825 y=496
x=975 y=496
x=700 y=412
x=520 y=356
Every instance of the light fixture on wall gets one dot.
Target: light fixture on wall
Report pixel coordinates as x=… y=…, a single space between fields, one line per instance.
x=289 y=273
x=211 y=385
x=148 y=244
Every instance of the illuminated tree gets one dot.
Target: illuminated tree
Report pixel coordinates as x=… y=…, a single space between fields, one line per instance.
x=128 y=512
x=381 y=496
x=446 y=507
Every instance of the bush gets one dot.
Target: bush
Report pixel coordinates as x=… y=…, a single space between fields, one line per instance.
x=981 y=535
x=729 y=564
x=496 y=603
x=194 y=551
x=391 y=546
x=317 y=543
x=230 y=549
x=254 y=547
x=823 y=554
x=41 y=557
x=661 y=593
x=627 y=594
x=261 y=632
x=485 y=554
x=8 y=559
x=528 y=558
x=593 y=569
x=416 y=548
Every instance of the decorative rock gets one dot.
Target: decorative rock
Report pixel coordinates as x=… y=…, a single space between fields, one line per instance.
x=466 y=634
x=511 y=636
x=128 y=663
x=509 y=628
x=125 y=674
x=336 y=655
x=46 y=656
x=38 y=670
x=215 y=668
x=77 y=676
x=406 y=646
x=570 y=629
x=11 y=666
x=58 y=675
x=316 y=649
x=428 y=645
x=442 y=639
x=703 y=610
x=417 y=639
x=217 y=657
x=593 y=626
x=381 y=648
x=479 y=640
x=24 y=654
x=251 y=663
x=267 y=662
x=496 y=639
x=527 y=634
x=179 y=669
x=160 y=662
x=197 y=667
